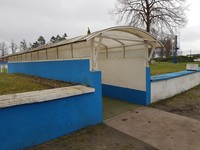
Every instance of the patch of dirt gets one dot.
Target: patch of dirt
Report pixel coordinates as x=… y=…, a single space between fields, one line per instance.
x=186 y=104
x=190 y=110
x=99 y=137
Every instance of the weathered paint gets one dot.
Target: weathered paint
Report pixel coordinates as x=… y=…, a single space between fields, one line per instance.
x=168 y=85
x=26 y=125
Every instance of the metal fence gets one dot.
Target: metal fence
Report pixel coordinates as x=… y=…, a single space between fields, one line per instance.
x=3 y=68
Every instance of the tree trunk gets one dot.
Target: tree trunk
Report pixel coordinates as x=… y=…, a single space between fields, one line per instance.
x=148 y=22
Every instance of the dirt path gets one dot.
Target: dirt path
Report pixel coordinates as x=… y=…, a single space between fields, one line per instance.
x=100 y=137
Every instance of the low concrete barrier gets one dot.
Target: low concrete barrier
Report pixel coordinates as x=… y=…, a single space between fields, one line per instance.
x=31 y=118
x=167 y=85
x=28 y=124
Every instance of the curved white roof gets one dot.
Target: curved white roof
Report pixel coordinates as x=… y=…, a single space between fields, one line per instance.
x=111 y=37
x=116 y=36
x=125 y=35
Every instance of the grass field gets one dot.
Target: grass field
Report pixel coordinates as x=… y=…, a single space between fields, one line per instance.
x=17 y=83
x=166 y=67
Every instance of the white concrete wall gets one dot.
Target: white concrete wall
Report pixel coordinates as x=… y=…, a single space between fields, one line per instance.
x=168 y=88
x=127 y=73
x=42 y=55
x=28 y=57
x=23 y=57
x=81 y=50
x=64 y=52
x=52 y=53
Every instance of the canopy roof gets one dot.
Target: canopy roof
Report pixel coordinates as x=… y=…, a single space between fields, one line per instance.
x=111 y=37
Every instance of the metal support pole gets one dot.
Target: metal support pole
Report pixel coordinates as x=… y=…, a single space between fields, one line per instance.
x=72 y=51
x=94 y=54
x=57 y=57
x=123 y=51
x=146 y=54
x=175 y=50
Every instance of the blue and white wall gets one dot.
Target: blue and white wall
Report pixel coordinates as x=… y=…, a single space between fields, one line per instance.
x=168 y=85
x=25 y=125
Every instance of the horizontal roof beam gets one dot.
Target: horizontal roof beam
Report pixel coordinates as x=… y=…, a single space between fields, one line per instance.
x=122 y=38
x=139 y=44
x=114 y=39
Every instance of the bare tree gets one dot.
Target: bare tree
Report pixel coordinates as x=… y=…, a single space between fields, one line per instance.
x=3 y=49
x=154 y=16
x=13 y=47
x=168 y=50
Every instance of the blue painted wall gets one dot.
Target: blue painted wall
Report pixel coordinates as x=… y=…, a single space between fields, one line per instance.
x=27 y=125
x=68 y=70
x=130 y=95
x=125 y=94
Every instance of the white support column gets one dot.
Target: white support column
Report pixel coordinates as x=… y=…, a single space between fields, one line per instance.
x=57 y=57
x=146 y=54
x=151 y=54
x=72 y=51
x=94 y=54
x=106 y=53
x=38 y=55
x=46 y=53
x=123 y=48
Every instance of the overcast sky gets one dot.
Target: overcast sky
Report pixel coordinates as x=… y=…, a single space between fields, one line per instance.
x=28 y=19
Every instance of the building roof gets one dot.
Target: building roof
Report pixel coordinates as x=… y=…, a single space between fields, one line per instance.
x=111 y=37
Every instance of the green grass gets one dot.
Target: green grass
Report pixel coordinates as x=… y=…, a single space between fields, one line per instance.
x=17 y=83
x=165 y=67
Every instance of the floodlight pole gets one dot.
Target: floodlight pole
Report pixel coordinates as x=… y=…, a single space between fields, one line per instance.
x=175 y=50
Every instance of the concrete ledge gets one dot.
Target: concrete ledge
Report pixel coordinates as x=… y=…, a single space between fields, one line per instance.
x=43 y=95
x=162 y=89
x=172 y=75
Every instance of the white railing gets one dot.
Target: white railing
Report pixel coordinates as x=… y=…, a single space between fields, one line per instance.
x=3 y=68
